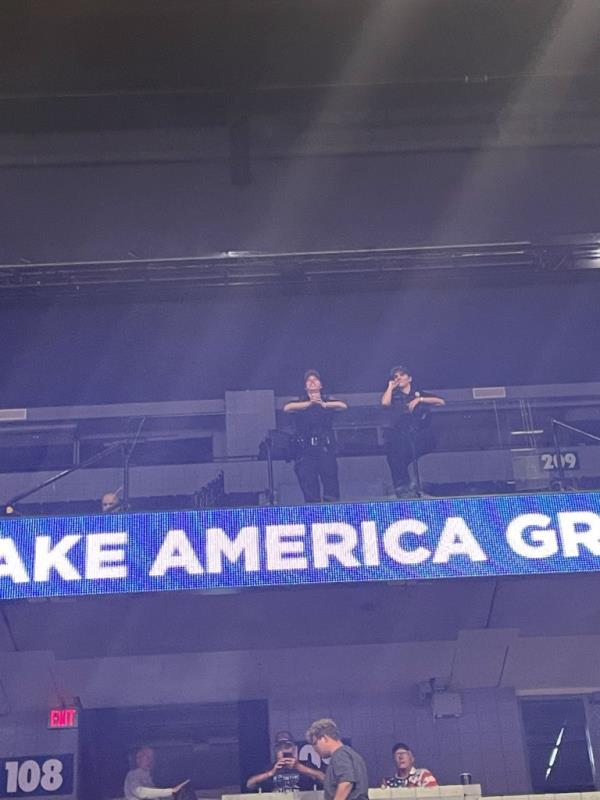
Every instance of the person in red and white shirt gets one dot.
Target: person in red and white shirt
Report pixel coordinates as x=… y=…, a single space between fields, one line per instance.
x=406 y=772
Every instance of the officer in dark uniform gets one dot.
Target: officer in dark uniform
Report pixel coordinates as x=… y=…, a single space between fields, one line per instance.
x=409 y=435
x=315 y=459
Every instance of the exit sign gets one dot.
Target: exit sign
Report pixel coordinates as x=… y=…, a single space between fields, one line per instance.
x=62 y=718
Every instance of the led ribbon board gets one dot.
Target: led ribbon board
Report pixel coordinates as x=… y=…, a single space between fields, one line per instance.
x=423 y=539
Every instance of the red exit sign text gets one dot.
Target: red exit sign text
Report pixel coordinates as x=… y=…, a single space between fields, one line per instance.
x=62 y=718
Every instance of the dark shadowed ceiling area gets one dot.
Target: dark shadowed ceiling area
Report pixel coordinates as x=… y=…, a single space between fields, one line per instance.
x=369 y=613
x=202 y=59
x=69 y=46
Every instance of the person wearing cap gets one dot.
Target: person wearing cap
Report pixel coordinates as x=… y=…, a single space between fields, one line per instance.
x=406 y=772
x=288 y=773
x=283 y=736
x=409 y=435
x=315 y=460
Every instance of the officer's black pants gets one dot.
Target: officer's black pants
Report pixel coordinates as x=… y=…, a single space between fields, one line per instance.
x=316 y=467
x=405 y=446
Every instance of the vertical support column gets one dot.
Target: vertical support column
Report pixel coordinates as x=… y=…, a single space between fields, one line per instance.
x=253 y=737
x=249 y=416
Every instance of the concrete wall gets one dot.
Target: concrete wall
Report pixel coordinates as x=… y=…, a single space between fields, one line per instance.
x=486 y=740
x=369 y=690
x=27 y=691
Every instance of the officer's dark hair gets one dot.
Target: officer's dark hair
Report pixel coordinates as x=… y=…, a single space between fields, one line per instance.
x=310 y=372
x=400 y=368
x=307 y=375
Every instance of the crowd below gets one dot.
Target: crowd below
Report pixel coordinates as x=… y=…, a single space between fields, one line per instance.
x=341 y=771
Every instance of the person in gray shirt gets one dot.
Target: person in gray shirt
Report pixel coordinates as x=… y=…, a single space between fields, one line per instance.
x=139 y=784
x=346 y=777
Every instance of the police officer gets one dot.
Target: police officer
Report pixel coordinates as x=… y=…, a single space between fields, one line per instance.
x=315 y=459
x=409 y=435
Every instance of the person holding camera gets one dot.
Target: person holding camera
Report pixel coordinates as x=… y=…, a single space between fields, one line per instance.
x=288 y=773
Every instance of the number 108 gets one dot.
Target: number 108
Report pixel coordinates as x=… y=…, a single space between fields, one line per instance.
x=28 y=776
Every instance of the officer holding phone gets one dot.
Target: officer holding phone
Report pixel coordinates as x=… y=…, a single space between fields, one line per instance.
x=409 y=435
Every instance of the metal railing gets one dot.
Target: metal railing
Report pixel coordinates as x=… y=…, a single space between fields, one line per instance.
x=557 y=425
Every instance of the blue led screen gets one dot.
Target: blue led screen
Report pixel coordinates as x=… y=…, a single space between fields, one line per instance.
x=270 y=546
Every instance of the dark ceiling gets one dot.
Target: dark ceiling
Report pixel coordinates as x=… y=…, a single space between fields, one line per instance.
x=370 y=613
x=148 y=63
x=263 y=71
x=107 y=45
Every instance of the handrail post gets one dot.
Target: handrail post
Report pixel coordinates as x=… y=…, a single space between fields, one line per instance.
x=558 y=455
x=270 y=474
